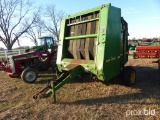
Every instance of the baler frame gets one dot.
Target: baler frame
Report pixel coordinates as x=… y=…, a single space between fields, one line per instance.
x=94 y=41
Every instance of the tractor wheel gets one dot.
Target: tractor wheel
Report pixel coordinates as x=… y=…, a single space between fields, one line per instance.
x=134 y=55
x=129 y=76
x=29 y=75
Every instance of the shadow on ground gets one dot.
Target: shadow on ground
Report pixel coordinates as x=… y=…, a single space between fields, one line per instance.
x=148 y=82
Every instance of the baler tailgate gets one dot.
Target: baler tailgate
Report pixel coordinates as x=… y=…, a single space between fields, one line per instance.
x=71 y=72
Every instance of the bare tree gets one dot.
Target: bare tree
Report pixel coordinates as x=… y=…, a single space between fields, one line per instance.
x=55 y=17
x=15 y=20
x=36 y=30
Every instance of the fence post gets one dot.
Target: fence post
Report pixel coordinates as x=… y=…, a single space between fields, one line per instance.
x=5 y=52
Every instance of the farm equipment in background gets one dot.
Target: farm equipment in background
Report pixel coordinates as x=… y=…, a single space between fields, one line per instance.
x=94 y=41
x=40 y=57
x=147 y=52
x=132 y=46
x=157 y=61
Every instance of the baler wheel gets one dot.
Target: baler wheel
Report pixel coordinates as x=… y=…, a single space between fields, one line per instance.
x=29 y=75
x=129 y=76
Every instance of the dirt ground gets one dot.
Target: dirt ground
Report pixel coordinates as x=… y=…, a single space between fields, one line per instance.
x=84 y=99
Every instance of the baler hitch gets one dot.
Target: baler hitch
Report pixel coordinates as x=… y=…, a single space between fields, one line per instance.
x=43 y=92
x=54 y=85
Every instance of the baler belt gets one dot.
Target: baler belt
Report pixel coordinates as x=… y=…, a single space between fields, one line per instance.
x=74 y=49
x=78 y=49
x=75 y=41
x=91 y=46
x=70 y=48
x=82 y=42
x=79 y=32
x=86 y=49
x=87 y=39
x=91 y=43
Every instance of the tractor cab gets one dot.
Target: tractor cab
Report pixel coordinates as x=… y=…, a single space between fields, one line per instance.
x=47 y=42
x=44 y=44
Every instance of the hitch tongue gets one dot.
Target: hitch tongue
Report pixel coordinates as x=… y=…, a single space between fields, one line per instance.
x=45 y=92
x=54 y=85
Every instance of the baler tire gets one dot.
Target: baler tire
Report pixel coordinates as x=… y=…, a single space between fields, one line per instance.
x=129 y=76
x=30 y=72
x=134 y=55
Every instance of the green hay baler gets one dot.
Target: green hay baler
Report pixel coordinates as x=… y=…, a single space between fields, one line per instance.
x=93 y=41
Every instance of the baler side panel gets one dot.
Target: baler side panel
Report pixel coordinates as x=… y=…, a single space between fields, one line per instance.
x=100 y=49
x=112 y=44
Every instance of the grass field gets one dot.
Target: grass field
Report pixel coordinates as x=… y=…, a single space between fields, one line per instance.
x=84 y=99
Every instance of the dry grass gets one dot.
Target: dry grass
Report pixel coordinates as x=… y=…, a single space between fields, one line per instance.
x=82 y=98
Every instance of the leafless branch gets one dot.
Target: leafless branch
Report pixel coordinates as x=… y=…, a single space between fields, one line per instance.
x=13 y=14
x=55 y=17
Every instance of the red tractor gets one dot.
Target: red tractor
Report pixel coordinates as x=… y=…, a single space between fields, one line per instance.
x=36 y=58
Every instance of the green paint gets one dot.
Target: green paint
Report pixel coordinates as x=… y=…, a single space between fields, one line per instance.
x=82 y=36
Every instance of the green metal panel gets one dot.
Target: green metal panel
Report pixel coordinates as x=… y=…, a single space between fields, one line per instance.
x=112 y=44
x=82 y=36
x=100 y=51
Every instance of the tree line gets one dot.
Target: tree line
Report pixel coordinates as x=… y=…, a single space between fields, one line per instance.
x=21 y=18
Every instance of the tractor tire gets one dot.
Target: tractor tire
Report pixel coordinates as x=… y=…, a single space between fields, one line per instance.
x=29 y=75
x=134 y=55
x=129 y=76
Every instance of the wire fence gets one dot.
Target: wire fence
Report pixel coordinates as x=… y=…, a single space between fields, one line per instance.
x=6 y=53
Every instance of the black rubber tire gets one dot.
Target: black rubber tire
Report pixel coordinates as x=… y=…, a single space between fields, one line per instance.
x=33 y=72
x=134 y=55
x=129 y=76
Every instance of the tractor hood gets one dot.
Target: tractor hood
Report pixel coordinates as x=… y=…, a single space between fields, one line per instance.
x=35 y=48
x=32 y=54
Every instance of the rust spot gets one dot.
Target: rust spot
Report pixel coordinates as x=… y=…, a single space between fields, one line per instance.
x=71 y=66
x=79 y=62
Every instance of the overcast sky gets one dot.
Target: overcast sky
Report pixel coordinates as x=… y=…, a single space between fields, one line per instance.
x=143 y=16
